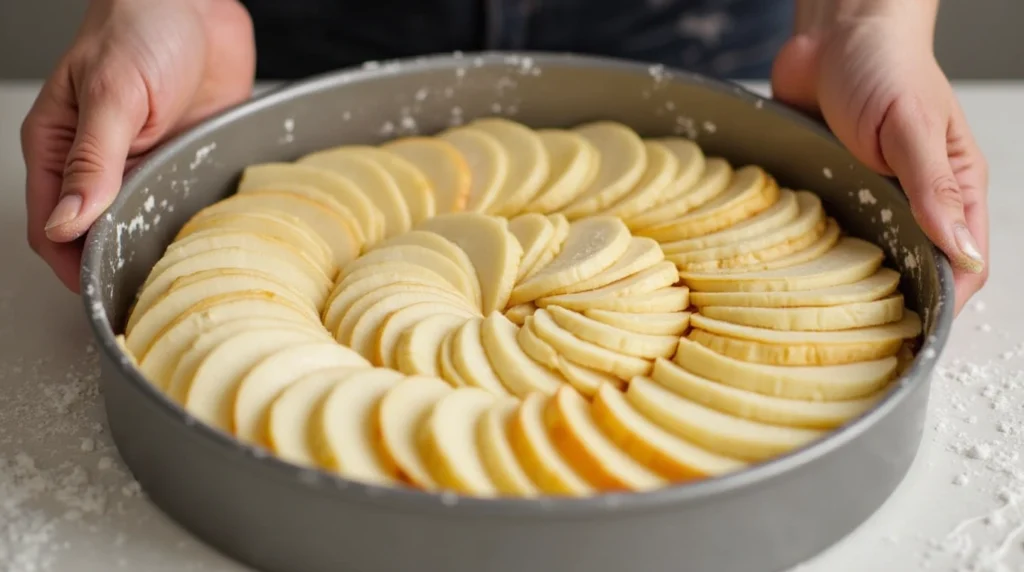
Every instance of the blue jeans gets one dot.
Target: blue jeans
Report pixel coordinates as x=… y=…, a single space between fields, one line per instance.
x=734 y=39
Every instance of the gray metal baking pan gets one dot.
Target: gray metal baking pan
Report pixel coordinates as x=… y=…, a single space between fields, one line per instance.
x=279 y=518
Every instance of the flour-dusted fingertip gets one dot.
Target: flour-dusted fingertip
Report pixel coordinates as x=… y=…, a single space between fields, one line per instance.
x=67 y=210
x=969 y=257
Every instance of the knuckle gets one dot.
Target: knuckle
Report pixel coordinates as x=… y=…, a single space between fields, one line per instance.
x=111 y=83
x=946 y=191
x=86 y=157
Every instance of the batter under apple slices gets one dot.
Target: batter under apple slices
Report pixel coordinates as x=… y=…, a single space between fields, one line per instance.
x=496 y=311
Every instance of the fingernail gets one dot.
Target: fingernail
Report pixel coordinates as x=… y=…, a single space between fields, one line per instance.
x=972 y=260
x=67 y=210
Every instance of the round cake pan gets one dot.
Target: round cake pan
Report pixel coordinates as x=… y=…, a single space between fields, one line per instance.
x=279 y=518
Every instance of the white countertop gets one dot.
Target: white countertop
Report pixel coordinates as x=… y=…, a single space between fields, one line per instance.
x=67 y=504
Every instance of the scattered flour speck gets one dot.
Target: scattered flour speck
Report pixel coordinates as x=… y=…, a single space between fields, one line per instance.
x=827 y=173
x=866 y=197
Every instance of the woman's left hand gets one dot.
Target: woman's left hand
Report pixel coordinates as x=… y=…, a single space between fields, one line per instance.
x=877 y=84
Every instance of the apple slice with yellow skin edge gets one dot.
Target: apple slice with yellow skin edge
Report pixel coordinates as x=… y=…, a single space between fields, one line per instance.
x=416 y=352
x=403 y=410
x=397 y=322
x=488 y=165
x=795 y=354
x=882 y=283
x=757 y=407
x=664 y=453
x=369 y=221
x=447 y=441
x=813 y=383
x=499 y=459
x=551 y=250
x=533 y=231
x=277 y=224
x=850 y=260
x=519 y=374
x=587 y=449
x=373 y=181
x=785 y=210
x=887 y=310
x=593 y=244
x=712 y=430
x=517 y=314
x=654 y=278
x=445 y=364
x=470 y=362
x=209 y=394
x=491 y=248
x=183 y=295
x=158 y=362
x=642 y=254
x=412 y=183
x=692 y=164
x=766 y=257
x=584 y=379
x=573 y=165
x=585 y=353
x=623 y=160
x=344 y=431
x=290 y=419
x=528 y=163
x=908 y=327
x=823 y=241
x=716 y=178
x=666 y=323
x=368 y=279
x=442 y=165
x=659 y=174
x=423 y=256
x=366 y=330
x=648 y=346
x=398 y=295
x=330 y=220
x=268 y=378
x=660 y=301
x=442 y=246
x=537 y=453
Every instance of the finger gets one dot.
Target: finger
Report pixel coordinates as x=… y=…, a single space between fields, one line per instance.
x=971 y=171
x=913 y=142
x=113 y=107
x=794 y=73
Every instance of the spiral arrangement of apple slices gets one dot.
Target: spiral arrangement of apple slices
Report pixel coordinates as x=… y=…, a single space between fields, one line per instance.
x=499 y=311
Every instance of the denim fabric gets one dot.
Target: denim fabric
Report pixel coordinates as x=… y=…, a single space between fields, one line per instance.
x=724 y=38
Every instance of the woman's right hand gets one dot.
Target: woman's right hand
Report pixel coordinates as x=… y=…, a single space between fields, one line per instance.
x=138 y=72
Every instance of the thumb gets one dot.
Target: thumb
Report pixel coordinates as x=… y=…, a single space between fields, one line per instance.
x=112 y=109
x=912 y=141
x=795 y=73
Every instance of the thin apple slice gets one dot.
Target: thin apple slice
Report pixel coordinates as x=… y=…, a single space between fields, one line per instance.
x=423 y=256
x=574 y=163
x=469 y=359
x=445 y=248
x=399 y=321
x=533 y=231
x=642 y=254
x=448 y=442
x=277 y=224
x=757 y=407
x=692 y=164
x=714 y=181
x=586 y=448
x=517 y=314
x=344 y=430
x=654 y=278
x=593 y=244
x=185 y=293
x=882 y=283
x=397 y=296
x=442 y=165
x=622 y=163
x=209 y=394
x=222 y=238
x=528 y=163
x=666 y=323
x=647 y=346
x=537 y=453
x=261 y=385
x=829 y=383
x=158 y=362
x=369 y=221
x=367 y=327
x=412 y=183
x=817 y=319
x=908 y=327
x=584 y=379
x=445 y=364
x=403 y=410
x=290 y=420
x=712 y=430
x=488 y=163
x=372 y=180
x=665 y=453
x=500 y=460
x=662 y=300
x=519 y=374
x=585 y=353
x=782 y=213
x=417 y=350
x=790 y=354
x=551 y=250
x=656 y=181
x=371 y=277
x=491 y=248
